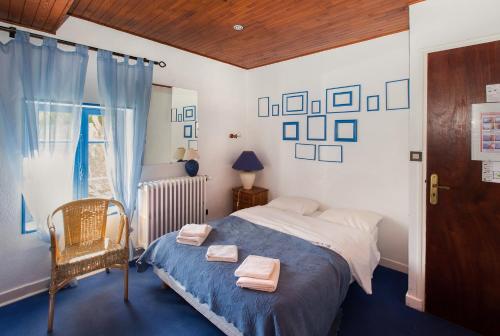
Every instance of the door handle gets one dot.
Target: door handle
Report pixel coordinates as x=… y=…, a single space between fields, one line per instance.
x=434 y=189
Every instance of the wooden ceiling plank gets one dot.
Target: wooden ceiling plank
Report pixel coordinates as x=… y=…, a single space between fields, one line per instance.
x=274 y=30
x=57 y=15
x=43 y=12
x=16 y=10
x=29 y=12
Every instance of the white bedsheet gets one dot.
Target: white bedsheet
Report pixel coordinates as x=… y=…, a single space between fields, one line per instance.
x=357 y=247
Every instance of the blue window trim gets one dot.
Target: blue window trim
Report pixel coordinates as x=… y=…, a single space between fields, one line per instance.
x=81 y=171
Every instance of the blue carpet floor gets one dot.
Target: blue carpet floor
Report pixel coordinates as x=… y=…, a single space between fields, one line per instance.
x=96 y=307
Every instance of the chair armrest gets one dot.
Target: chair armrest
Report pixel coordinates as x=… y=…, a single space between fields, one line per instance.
x=53 y=240
x=123 y=223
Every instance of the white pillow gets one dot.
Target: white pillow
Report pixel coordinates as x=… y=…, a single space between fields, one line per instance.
x=300 y=205
x=360 y=219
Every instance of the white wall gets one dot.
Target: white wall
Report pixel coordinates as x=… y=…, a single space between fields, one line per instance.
x=157 y=149
x=436 y=25
x=374 y=174
x=220 y=100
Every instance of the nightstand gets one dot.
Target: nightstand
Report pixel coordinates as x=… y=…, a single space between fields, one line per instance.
x=248 y=198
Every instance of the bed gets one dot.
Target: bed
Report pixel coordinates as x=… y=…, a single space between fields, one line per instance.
x=319 y=260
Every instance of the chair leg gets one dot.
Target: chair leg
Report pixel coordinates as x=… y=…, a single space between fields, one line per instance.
x=52 y=297
x=107 y=270
x=125 y=283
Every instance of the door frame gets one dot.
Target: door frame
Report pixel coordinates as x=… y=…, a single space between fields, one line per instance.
x=415 y=297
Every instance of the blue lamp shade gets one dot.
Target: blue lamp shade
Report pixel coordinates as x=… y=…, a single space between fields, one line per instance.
x=248 y=161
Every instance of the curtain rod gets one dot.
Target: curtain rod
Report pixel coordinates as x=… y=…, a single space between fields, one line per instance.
x=12 y=34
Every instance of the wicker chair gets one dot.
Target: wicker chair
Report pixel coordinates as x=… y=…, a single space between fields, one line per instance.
x=86 y=247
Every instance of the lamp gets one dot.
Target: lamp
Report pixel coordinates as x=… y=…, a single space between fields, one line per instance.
x=179 y=154
x=191 y=164
x=247 y=163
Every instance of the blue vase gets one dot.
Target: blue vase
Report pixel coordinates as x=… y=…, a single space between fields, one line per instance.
x=192 y=167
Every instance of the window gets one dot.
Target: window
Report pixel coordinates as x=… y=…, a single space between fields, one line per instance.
x=90 y=177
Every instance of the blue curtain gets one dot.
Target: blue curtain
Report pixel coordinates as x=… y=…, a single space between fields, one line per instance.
x=41 y=94
x=125 y=91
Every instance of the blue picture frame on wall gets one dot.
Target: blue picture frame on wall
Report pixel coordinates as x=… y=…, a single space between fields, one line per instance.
x=397 y=94
x=343 y=99
x=316 y=107
x=305 y=151
x=291 y=131
x=263 y=107
x=373 y=103
x=275 y=110
x=346 y=130
x=189 y=113
x=295 y=103
x=316 y=128
x=330 y=153
x=180 y=117
x=173 y=114
x=188 y=131
x=193 y=144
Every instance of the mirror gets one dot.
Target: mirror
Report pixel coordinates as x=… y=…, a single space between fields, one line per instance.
x=172 y=125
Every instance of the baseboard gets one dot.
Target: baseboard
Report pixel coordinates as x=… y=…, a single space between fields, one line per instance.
x=393 y=264
x=24 y=291
x=414 y=302
x=33 y=288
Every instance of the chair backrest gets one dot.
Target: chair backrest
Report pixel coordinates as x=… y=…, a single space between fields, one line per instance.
x=84 y=220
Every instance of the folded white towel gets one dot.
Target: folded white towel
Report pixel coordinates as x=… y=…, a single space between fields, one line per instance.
x=256 y=267
x=195 y=241
x=269 y=285
x=227 y=253
x=195 y=230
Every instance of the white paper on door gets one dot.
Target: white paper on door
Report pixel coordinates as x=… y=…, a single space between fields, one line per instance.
x=491 y=171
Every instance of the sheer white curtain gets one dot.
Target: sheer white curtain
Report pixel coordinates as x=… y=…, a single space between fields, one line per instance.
x=54 y=80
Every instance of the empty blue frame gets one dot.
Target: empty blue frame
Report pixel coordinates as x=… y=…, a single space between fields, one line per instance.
x=291 y=130
x=189 y=113
x=292 y=101
x=188 y=131
x=353 y=128
x=305 y=151
x=338 y=97
x=263 y=107
x=275 y=110
x=397 y=94
x=315 y=106
x=316 y=127
x=330 y=153
x=343 y=99
x=180 y=117
x=373 y=103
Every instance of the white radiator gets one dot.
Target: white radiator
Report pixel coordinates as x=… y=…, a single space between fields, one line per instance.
x=166 y=205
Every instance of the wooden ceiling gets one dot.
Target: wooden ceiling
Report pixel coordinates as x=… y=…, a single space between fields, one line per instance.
x=274 y=30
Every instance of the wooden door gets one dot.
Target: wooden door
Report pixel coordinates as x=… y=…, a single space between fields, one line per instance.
x=463 y=229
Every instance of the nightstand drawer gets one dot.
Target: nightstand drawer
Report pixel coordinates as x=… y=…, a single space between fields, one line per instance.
x=248 y=198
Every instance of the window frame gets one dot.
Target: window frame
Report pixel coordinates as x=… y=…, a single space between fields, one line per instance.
x=81 y=163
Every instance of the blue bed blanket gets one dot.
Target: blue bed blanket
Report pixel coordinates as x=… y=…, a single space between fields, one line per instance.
x=312 y=285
